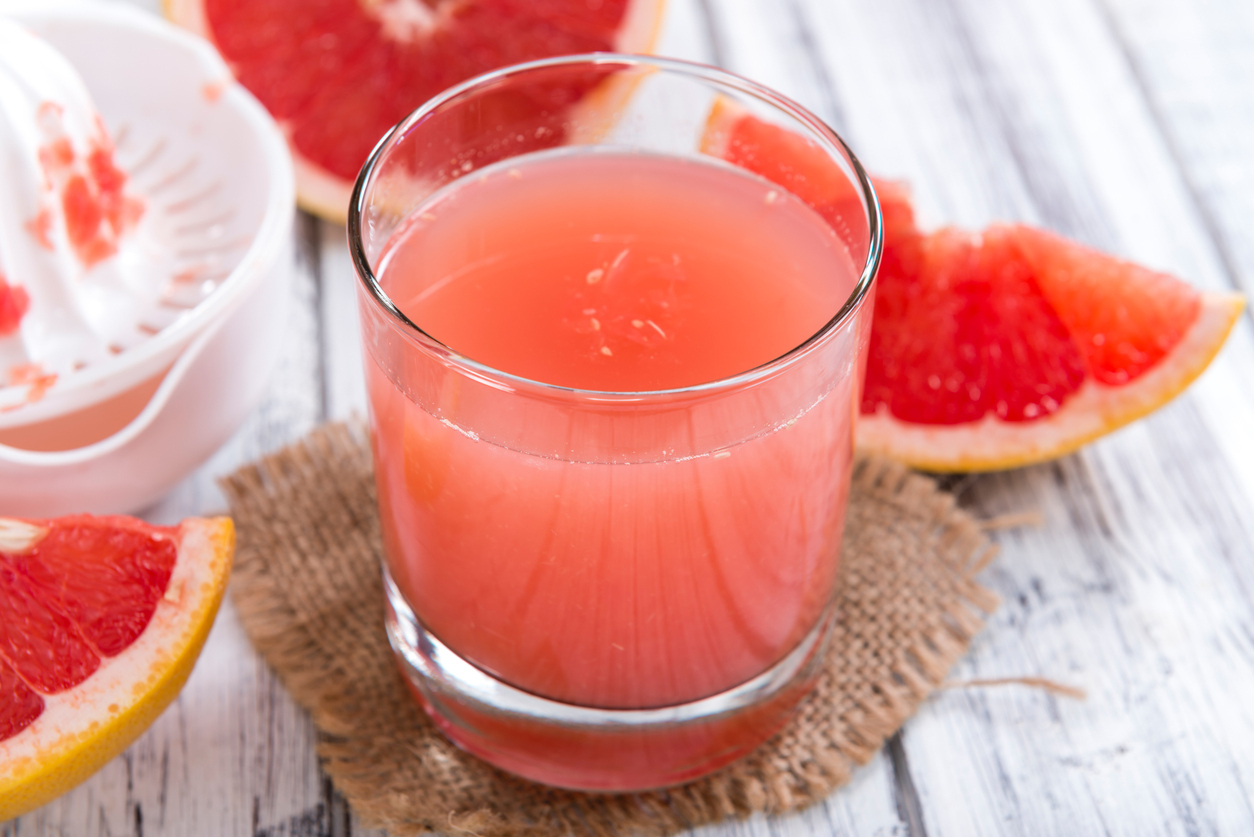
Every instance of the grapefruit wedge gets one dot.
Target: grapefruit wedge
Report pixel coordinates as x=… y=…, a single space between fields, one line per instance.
x=338 y=74
x=101 y=620
x=1000 y=348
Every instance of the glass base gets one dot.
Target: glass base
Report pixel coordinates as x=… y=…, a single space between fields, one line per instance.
x=591 y=749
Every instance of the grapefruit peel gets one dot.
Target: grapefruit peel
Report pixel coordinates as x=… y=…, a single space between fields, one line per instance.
x=87 y=725
x=327 y=195
x=1091 y=411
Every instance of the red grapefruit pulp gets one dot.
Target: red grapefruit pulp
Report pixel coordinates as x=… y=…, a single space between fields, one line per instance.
x=101 y=619
x=14 y=303
x=995 y=349
x=338 y=74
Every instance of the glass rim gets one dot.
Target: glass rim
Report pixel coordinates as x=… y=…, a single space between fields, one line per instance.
x=499 y=378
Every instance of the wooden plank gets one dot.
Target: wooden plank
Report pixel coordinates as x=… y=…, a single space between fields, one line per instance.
x=341 y=330
x=774 y=44
x=1106 y=598
x=686 y=32
x=344 y=383
x=1136 y=587
x=1193 y=63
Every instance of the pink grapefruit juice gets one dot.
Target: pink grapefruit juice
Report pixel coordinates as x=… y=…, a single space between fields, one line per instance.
x=588 y=546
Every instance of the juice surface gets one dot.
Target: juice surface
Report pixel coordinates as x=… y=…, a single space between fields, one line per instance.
x=619 y=272
x=589 y=578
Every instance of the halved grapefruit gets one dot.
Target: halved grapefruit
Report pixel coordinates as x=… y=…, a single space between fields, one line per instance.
x=101 y=620
x=337 y=74
x=1001 y=348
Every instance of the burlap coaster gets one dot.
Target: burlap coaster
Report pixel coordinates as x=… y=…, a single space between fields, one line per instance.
x=307 y=587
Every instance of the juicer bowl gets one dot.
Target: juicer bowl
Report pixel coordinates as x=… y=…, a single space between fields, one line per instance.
x=213 y=167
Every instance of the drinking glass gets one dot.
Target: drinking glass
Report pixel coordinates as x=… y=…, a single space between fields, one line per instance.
x=595 y=589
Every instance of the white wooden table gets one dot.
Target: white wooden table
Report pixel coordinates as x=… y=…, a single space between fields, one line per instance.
x=1128 y=124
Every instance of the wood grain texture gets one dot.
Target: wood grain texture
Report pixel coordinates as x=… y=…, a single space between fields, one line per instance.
x=1193 y=63
x=1124 y=123
x=341 y=330
x=1136 y=587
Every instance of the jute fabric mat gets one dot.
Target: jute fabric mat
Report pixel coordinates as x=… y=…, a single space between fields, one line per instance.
x=307 y=587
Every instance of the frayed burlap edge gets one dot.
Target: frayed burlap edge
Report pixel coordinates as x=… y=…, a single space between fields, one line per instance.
x=307 y=588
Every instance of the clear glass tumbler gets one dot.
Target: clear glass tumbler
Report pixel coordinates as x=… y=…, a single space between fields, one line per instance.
x=601 y=589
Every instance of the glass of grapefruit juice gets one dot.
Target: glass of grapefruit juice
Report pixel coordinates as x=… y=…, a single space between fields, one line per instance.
x=612 y=383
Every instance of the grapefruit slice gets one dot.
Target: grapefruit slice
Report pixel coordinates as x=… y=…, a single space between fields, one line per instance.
x=338 y=74
x=101 y=620
x=1001 y=348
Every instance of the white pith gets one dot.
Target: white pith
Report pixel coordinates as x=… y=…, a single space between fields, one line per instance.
x=639 y=29
x=18 y=537
x=320 y=192
x=75 y=718
x=1091 y=411
x=407 y=20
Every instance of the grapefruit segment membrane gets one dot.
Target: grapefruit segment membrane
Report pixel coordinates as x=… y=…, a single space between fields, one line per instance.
x=1142 y=316
x=101 y=621
x=338 y=74
x=998 y=348
x=22 y=704
x=965 y=333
